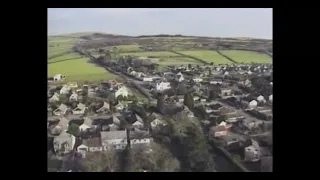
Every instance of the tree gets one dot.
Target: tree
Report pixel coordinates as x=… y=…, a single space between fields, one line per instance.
x=74 y=129
x=158 y=160
x=213 y=95
x=189 y=66
x=188 y=101
x=160 y=103
x=106 y=161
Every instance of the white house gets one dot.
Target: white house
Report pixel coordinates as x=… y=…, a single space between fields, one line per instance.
x=104 y=108
x=197 y=79
x=65 y=89
x=271 y=83
x=86 y=124
x=114 y=139
x=180 y=77
x=260 y=98
x=122 y=91
x=58 y=77
x=61 y=110
x=90 y=145
x=253 y=104
x=148 y=79
x=271 y=98
x=252 y=153
x=73 y=97
x=140 y=142
x=163 y=86
x=72 y=84
x=80 y=109
x=64 y=143
x=226 y=73
x=54 y=98
x=157 y=122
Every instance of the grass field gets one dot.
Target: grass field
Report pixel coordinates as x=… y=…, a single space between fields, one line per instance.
x=65 y=57
x=79 y=70
x=247 y=56
x=128 y=48
x=57 y=45
x=151 y=53
x=176 y=60
x=208 y=56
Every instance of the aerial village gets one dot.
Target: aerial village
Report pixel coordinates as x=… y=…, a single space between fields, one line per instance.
x=232 y=103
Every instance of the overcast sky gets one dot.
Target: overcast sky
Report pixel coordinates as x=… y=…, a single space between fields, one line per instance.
x=229 y=22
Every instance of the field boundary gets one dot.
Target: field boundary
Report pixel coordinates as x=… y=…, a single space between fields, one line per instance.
x=60 y=54
x=200 y=60
x=64 y=60
x=267 y=53
x=226 y=57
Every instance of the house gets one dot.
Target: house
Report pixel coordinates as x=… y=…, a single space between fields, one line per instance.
x=252 y=153
x=253 y=104
x=163 y=86
x=122 y=91
x=90 y=145
x=65 y=89
x=221 y=130
x=120 y=106
x=197 y=80
x=58 y=77
x=104 y=108
x=225 y=92
x=87 y=124
x=54 y=98
x=61 y=110
x=143 y=143
x=180 y=77
x=271 y=98
x=116 y=140
x=72 y=84
x=148 y=79
x=139 y=123
x=63 y=143
x=252 y=123
x=80 y=109
x=260 y=98
x=115 y=125
x=73 y=97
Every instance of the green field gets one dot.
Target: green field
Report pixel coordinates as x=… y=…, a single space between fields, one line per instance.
x=69 y=56
x=128 y=48
x=151 y=53
x=208 y=56
x=57 y=45
x=176 y=60
x=79 y=70
x=247 y=56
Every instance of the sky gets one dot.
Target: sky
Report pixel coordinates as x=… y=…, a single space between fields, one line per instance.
x=213 y=22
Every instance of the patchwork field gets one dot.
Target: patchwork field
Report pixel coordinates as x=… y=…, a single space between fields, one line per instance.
x=247 y=56
x=151 y=54
x=208 y=56
x=79 y=70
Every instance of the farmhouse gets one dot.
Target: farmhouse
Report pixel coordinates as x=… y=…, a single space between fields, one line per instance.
x=87 y=124
x=54 y=98
x=58 y=77
x=104 y=108
x=65 y=89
